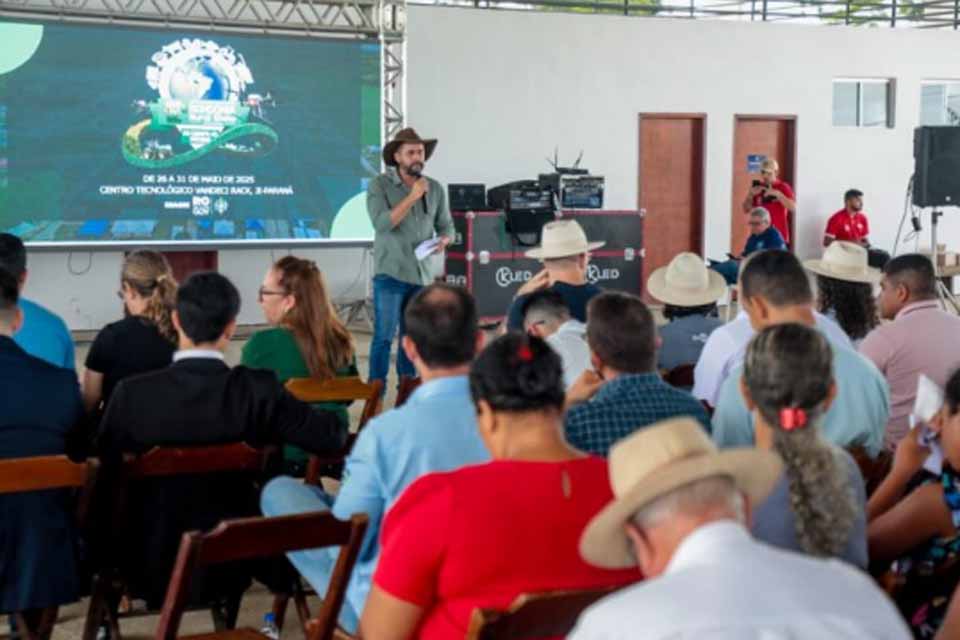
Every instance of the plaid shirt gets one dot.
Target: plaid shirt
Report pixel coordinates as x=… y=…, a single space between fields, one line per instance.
x=624 y=405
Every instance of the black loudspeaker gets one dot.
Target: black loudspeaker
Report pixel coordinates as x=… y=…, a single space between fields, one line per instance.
x=936 y=172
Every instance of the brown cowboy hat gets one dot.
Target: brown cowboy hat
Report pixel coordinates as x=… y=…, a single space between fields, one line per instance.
x=407 y=136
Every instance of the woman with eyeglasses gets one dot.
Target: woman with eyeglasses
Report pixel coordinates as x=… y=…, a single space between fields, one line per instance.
x=144 y=340
x=306 y=338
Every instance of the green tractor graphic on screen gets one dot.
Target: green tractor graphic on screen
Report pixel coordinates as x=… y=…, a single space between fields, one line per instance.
x=203 y=107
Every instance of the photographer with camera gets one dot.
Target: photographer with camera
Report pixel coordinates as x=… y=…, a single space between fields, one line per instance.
x=776 y=196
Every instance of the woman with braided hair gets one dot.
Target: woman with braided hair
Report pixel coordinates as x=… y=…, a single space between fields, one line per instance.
x=818 y=507
x=145 y=339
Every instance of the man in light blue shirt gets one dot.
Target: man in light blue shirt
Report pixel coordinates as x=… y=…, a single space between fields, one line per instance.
x=775 y=290
x=43 y=334
x=436 y=430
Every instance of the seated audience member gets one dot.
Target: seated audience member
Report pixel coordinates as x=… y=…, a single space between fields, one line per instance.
x=680 y=513
x=435 y=430
x=762 y=236
x=922 y=339
x=950 y=629
x=469 y=538
x=144 y=340
x=845 y=288
x=306 y=338
x=41 y=410
x=565 y=253
x=624 y=392
x=689 y=292
x=774 y=195
x=775 y=290
x=725 y=347
x=43 y=333
x=850 y=224
x=546 y=316
x=919 y=528
x=200 y=401
x=818 y=505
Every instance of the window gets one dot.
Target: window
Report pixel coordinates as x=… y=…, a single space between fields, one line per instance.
x=940 y=102
x=863 y=103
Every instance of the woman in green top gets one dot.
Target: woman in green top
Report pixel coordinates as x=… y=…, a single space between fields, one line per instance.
x=306 y=339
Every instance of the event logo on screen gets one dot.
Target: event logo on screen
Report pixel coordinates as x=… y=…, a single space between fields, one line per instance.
x=202 y=107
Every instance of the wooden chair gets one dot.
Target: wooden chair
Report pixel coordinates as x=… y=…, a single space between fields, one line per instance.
x=536 y=615
x=23 y=475
x=680 y=377
x=108 y=581
x=249 y=538
x=408 y=384
x=314 y=391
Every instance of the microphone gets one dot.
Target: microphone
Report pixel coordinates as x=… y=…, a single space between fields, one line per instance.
x=418 y=174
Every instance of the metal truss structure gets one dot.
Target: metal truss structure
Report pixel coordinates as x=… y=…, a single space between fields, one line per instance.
x=875 y=13
x=382 y=21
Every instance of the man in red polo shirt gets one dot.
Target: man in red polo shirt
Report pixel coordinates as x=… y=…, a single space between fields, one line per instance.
x=776 y=196
x=850 y=224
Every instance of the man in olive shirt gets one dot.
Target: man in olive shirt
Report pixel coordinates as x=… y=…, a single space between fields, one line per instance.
x=406 y=209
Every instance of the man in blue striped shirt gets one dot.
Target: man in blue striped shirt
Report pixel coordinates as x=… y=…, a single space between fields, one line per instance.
x=627 y=392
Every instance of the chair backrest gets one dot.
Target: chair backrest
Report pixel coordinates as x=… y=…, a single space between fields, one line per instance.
x=312 y=391
x=249 y=538
x=172 y=461
x=408 y=384
x=681 y=377
x=533 y=615
x=22 y=475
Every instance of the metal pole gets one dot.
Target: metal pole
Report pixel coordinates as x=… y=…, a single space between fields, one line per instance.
x=956 y=13
x=846 y=16
x=893 y=14
x=763 y=10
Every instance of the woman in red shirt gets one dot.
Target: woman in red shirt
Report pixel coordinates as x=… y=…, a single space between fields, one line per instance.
x=484 y=534
x=776 y=196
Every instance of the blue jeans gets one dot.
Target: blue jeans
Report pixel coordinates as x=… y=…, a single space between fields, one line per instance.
x=390 y=298
x=284 y=496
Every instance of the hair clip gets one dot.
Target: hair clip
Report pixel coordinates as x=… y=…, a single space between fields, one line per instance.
x=525 y=353
x=792 y=418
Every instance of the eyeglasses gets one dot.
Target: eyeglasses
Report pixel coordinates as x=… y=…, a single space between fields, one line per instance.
x=261 y=292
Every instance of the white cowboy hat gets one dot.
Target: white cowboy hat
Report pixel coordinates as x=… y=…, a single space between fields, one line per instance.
x=561 y=239
x=686 y=282
x=656 y=460
x=845 y=261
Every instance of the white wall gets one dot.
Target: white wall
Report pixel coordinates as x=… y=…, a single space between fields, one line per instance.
x=501 y=89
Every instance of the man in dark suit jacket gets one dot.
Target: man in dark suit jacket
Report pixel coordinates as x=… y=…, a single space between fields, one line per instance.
x=200 y=401
x=39 y=412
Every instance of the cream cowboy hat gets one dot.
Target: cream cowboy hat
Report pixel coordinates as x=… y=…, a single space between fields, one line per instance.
x=561 y=239
x=844 y=261
x=686 y=282
x=656 y=460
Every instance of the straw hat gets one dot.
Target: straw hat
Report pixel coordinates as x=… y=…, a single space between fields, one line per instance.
x=845 y=261
x=686 y=282
x=656 y=460
x=561 y=239
x=407 y=136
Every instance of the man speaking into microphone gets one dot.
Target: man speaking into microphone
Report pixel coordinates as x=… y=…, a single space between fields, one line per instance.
x=407 y=209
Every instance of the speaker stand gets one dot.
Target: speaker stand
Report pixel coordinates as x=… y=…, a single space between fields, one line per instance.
x=947 y=298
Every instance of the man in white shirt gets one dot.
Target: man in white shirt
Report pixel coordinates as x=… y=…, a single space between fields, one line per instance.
x=727 y=345
x=545 y=315
x=679 y=513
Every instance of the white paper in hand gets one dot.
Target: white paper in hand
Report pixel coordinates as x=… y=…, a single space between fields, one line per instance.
x=928 y=402
x=427 y=248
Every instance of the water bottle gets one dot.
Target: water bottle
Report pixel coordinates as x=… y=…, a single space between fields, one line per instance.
x=270 y=629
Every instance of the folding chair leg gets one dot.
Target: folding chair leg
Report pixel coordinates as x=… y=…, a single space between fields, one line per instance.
x=96 y=611
x=303 y=611
x=233 y=610
x=280 y=602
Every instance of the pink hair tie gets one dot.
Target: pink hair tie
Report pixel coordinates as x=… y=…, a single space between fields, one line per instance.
x=525 y=353
x=792 y=418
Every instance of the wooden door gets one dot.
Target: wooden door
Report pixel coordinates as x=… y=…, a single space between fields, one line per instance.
x=185 y=263
x=670 y=187
x=756 y=137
